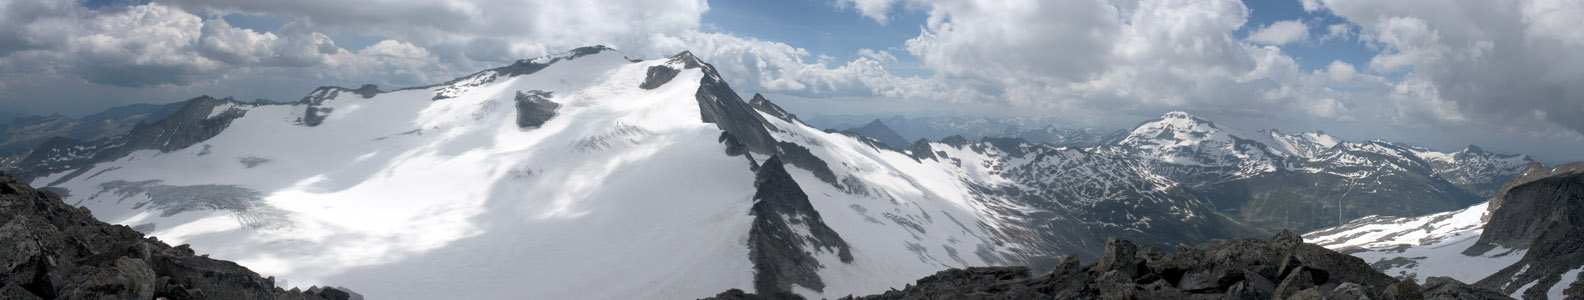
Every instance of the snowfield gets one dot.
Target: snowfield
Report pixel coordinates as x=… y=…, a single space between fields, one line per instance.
x=444 y=192
x=1421 y=247
x=436 y=192
x=400 y=196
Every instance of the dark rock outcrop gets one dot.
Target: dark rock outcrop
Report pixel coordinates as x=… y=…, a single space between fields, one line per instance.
x=314 y=113
x=1280 y=268
x=1542 y=211
x=658 y=76
x=49 y=250
x=801 y=157
x=921 y=150
x=783 y=256
x=764 y=105
x=534 y=108
x=450 y=89
x=720 y=105
x=195 y=122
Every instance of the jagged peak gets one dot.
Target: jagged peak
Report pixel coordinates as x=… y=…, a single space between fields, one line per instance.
x=687 y=59
x=877 y=124
x=762 y=104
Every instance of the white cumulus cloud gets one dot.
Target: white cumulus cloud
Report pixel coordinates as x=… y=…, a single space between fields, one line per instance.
x=1280 y=33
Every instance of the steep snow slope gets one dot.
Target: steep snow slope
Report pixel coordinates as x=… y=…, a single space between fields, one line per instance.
x=956 y=202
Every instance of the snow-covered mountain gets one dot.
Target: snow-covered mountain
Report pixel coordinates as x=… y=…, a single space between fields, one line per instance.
x=21 y=135
x=1475 y=169
x=879 y=131
x=1307 y=181
x=589 y=163
x=1525 y=242
x=1037 y=129
x=553 y=177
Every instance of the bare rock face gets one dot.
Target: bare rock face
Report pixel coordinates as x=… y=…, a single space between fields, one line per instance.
x=50 y=250
x=758 y=102
x=1541 y=211
x=657 y=76
x=1280 y=268
x=534 y=108
x=777 y=250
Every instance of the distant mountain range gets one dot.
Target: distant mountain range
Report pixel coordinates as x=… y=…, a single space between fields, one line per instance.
x=19 y=136
x=1033 y=129
x=1308 y=181
x=588 y=161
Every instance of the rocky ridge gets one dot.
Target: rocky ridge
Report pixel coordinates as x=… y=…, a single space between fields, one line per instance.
x=1542 y=212
x=1525 y=242
x=50 y=250
x=1282 y=267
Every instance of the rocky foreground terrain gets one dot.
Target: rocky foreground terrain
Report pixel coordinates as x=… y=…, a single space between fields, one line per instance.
x=50 y=250
x=1283 y=267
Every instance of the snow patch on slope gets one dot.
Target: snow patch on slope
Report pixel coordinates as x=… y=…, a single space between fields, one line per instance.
x=1425 y=246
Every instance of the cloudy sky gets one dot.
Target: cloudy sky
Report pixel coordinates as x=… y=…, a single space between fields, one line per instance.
x=1504 y=74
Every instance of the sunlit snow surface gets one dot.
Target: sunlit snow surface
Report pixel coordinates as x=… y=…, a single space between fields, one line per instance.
x=404 y=197
x=625 y=193
x=1425 y=246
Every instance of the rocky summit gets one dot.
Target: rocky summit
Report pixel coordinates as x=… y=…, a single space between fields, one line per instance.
x=1282 y=267
x=50 y=250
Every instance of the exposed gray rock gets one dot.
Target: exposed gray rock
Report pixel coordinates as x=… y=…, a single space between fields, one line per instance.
x=1251 y=264
x=534 y=108
x=49 y=250
x=1120 y=257
x=1405 y=289
x=721 y=106
x=1348 y=291
x=314 y=114
x=1532 y=203
x=802 y=158
x=1542 y=211
x=781 y=255
x=921 y=150
x=657 y=76
x=764 y=105
x=1446 y=288
x=1286 y=240
x=1300 y=279
x=252 y=161
x=187 y=126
